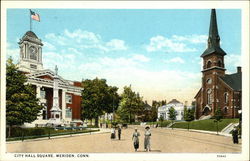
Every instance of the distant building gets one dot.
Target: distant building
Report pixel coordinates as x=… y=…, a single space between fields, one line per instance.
x=69 y=92
x=218 y=90
x=178 y=106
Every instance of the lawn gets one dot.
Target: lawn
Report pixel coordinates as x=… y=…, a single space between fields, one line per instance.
x=32 y=133
x=207 y=125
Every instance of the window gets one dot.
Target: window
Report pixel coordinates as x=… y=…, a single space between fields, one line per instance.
x=68 y=98
x=225 y=109
x=42 y=94
x=209 y=96
x=219 y=63
x=209 y=64
x=226 y=97
x=209 y=81
x=68 y=113
x=33 y=66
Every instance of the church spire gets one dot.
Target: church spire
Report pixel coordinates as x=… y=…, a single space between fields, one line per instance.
x=214 y=38
x=213 y=42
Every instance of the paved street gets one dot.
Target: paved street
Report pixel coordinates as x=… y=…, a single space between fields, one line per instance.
x=162 y=140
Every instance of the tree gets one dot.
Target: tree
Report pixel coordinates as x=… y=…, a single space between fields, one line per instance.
x=188 y=115
x=131 y=105
x=172 y=115
x=161 y=119
x=217 y=118
x=22 y=106
x=98 y=98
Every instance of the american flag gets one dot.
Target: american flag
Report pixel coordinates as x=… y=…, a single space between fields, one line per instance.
x=34 y=16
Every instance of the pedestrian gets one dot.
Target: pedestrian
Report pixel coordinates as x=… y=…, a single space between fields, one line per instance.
x=135 y=139
x=147 y=139
x=235 y=135
x=119 y=132
x=113 y=133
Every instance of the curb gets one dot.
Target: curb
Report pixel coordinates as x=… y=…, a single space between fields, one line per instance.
x=203 y=131
x=57 y=137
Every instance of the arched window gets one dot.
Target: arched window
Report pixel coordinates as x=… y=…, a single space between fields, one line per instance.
x=219 y=63
x=209 y=64
x=226 y=97
x=225 y=109
x=209 y=96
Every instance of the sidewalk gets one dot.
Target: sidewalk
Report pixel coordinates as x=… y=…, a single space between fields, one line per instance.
x=102 y=130
x=203 y=131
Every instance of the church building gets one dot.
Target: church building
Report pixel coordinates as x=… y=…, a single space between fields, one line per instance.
x=69 y=92
x=218 y=89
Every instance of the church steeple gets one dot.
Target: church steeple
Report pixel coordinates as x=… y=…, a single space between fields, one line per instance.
x=213 y=42
x=214 y=38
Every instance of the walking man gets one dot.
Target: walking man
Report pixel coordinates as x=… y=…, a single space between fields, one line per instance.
x=119 y=132
x=135 y=139
x=147 y=139
x=235 y=135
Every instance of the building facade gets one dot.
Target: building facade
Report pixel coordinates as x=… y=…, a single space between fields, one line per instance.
x=69 y=92
x=178 y=106
x=218 y=89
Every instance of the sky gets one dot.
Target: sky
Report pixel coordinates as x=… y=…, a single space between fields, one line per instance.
x=157 y=51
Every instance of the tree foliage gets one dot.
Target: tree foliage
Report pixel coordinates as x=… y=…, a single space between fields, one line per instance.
x=98 y=98
x=218 y=117
x=131 y=105
x=22 y=106
x=172 y=115
x=188 y=115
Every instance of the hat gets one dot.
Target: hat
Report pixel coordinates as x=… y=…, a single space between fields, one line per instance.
x=147 y=127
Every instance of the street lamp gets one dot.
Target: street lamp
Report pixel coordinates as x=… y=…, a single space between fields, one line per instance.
x=240 y=120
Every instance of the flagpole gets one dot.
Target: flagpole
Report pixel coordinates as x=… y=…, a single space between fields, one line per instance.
x=30 y=21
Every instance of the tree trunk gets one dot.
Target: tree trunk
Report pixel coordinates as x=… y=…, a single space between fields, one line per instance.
x=188 y=126
x=96 y=122
x=217 y=127
x=172 y=125
x=9 y=131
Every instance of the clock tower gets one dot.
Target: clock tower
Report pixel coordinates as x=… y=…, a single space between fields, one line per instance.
x=30 y=53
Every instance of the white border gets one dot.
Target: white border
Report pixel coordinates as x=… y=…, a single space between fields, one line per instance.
x=243 y=5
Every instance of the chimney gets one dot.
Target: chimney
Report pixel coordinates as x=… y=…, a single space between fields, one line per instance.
x=238 y=69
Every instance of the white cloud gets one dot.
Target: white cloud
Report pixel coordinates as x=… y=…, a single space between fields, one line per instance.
x=12 y=52
x=160 y=43
x=195 y=39
x=83 y=40
x=175 y=60
x=164 y=84
x=49 y=46
x=233 y=60
x=140 y=58
x=116 y=44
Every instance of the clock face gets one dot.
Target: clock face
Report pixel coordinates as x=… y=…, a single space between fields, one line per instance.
x=33 y=50
x=33 y=53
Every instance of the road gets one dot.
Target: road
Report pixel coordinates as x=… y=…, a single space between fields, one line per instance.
x=162 y=141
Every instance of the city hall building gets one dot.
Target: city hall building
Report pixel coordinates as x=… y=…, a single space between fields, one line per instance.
x=218 y=89
x=69 y=92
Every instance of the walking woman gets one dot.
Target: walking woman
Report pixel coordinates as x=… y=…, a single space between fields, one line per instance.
x=135 y=139
x=235 y=135
x=147 y=139
x=112 y=133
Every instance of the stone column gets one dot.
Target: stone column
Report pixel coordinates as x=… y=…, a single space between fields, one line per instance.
x=38 y=91
x=63 y=104
x=38 y=95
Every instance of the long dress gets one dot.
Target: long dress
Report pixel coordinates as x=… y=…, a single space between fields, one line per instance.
x=235 y=136
x=113 y=133
x=136 y=140
x=147 y=140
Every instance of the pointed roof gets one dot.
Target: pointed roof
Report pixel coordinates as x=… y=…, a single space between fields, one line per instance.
x=213 y=42
x=173 y=101
x=233 y=80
